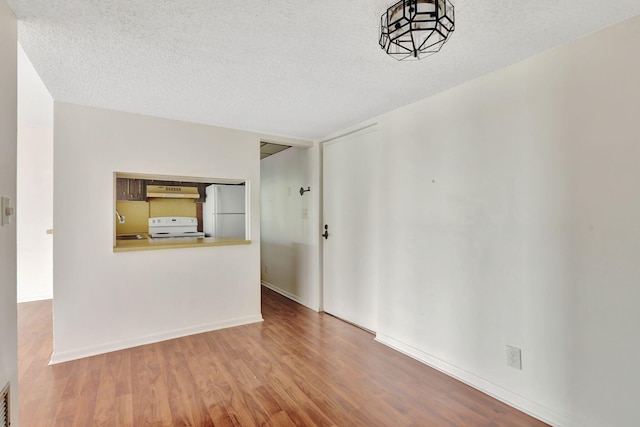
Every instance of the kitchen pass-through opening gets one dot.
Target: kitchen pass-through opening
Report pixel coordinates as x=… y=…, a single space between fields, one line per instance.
x=161 y=207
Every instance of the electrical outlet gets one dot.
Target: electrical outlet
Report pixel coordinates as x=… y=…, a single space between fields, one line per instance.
x=514 y=357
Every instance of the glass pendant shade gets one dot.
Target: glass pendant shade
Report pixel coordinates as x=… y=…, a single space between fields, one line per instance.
x=415 y=29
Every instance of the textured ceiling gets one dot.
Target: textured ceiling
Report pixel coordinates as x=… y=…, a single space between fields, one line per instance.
x=286 y=67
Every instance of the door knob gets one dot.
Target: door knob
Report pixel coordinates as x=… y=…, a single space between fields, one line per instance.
x=326 y=232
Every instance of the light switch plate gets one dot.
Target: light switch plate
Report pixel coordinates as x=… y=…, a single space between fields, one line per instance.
x=6 y=211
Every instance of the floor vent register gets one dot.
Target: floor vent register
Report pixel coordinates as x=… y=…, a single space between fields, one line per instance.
x=5 y=420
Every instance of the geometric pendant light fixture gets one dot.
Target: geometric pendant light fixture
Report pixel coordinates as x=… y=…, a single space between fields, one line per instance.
x=415 y=29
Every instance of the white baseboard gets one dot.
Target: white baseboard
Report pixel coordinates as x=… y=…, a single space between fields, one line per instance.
x=65 y=356
x=512 y=399
x=289 y=295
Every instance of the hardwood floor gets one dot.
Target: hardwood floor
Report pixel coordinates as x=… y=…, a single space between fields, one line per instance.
x=297 y=368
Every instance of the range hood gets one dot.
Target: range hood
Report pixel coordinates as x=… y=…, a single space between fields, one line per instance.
x=172 y=192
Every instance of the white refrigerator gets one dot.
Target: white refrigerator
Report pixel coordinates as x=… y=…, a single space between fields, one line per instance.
x=223 y=212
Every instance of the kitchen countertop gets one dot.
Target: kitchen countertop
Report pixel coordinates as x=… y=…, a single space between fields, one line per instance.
x=147 y=244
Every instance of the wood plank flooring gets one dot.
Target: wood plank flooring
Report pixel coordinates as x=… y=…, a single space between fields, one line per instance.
x=297 y=368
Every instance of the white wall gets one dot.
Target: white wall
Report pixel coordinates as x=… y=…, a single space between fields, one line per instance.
x=104 y=300
x=35 y=184
x=290 y=224
x=510 y=215
x=8 y=134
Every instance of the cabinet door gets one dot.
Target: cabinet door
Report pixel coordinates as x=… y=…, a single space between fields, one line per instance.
x=129 y=189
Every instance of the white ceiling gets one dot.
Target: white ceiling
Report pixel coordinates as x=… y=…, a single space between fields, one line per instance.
x=294 y=68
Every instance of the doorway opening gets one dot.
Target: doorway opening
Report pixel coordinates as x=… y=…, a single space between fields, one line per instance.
x=34 y=201
x=289 y=222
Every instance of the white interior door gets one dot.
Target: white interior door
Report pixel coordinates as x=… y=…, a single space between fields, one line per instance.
x=349 y=213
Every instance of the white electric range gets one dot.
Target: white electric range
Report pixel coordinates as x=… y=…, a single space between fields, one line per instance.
x=174 y=226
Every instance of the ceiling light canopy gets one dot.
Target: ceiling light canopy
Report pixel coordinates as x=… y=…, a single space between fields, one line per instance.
x=415 y=29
